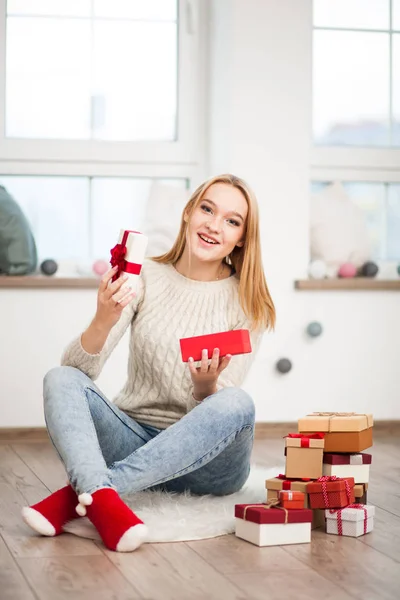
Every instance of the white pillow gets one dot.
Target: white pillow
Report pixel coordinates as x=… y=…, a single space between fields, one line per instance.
x=338 y=232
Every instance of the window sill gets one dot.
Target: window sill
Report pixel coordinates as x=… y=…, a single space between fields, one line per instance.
x=348 y=285
x=42 y=281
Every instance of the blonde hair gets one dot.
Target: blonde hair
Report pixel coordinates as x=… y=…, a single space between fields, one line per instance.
x=254 y=295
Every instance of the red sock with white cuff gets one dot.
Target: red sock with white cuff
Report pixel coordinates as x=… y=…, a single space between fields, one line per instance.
x=50 y=515
x=120 y=529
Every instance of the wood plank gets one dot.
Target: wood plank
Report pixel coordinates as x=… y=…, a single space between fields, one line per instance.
x=303 y=584
x=348 y=284
x=43 y=281
x=77 y=578
x=229 y=554
x=13 y=585
x=20 y=487
x=43 y=460
x=174 y=572
x=347 y=562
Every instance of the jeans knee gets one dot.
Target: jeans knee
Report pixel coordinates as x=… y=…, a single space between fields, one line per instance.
x=58 y=378
x=239 y=404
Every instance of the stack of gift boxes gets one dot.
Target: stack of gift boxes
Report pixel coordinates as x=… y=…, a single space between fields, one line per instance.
x=325 y=484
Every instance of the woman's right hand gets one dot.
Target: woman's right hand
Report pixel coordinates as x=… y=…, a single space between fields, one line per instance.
x=111 y=300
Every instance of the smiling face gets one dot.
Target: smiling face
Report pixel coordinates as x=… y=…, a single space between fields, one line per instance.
x=217 y=224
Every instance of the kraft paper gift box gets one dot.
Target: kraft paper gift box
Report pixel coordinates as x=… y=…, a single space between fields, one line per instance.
x=344 y=432
x=318 y=521
x=128 y=255
x=276 y=484
x=304 y=455
x=272 y=526
x=347 y=465
x=360 y=493
x=331 y=492
x=354 y=520
x=291 y=500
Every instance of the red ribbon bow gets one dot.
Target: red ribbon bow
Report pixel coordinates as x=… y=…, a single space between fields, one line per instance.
x=118 y=258
x=305 y=439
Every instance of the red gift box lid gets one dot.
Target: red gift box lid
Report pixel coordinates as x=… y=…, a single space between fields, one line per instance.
x=361 y=458
x=235 y=341
x=261 y=515
x=315 y=487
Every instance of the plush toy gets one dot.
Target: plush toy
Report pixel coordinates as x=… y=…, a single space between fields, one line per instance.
x=338 y=231
x=18 y=254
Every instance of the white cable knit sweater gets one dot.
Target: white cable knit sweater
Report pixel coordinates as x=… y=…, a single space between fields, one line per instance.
x=168 y=306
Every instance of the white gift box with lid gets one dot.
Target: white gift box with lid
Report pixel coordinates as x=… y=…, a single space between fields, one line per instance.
x=347 y=465
x=130 y=252
x=350 y=521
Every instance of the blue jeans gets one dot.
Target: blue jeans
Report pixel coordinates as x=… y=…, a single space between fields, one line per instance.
x=207 y=451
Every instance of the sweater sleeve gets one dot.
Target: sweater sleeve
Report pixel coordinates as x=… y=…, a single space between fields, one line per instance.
x=236 y=371
x=76 y=356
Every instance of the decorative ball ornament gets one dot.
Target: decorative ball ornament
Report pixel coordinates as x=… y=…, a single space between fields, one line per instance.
x=317 y=269
x=49 y=266
x=347 y=270
x=369 y=269
x=100 y=267
x=283 y=365
x=314 y=329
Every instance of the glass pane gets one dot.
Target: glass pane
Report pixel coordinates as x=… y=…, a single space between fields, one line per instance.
x=57 y=210
x=393 y=223
x=160 y=10
x=396 y=89
x=396 y=15
x=351 y=88
x=135 y=80
x=75 y=8
x=121 y=203
x=48 y=78
x=370 y=197
x=353 y=14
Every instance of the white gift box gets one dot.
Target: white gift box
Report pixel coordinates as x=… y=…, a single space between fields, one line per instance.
x=359 y=472
x=133 y=246
x=350 y=521
x=273 y=534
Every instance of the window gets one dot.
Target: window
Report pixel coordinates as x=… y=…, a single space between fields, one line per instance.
x=356 y=110
x=99 y=100
x=91 y=70
x=78 y=219
x=356 y=75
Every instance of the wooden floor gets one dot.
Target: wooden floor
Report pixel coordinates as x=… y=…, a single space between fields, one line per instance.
x=68 y=567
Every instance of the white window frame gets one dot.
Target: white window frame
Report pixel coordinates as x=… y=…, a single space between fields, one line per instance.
x=355 y=163
x=181 y=158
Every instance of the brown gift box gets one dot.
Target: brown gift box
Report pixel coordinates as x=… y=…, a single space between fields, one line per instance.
x=330 y=422
x=304 y=457
x=360 y=493
x=318 y=518
x=347 y=441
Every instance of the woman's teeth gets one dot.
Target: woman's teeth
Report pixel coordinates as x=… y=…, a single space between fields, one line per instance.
x=206 y=239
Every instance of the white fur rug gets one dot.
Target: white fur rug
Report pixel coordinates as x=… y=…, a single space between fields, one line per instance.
x=173 y=517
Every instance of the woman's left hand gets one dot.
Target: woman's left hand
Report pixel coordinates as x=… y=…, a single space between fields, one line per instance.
x=205 y=376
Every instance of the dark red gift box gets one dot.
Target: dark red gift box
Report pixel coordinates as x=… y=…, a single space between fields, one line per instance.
x=236 y=341
x=360 y=458
x=262 y=515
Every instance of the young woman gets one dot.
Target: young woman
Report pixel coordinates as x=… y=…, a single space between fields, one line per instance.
x=182 y=425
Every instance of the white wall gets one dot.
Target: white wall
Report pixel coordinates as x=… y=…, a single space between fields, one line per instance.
x=260 y=121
